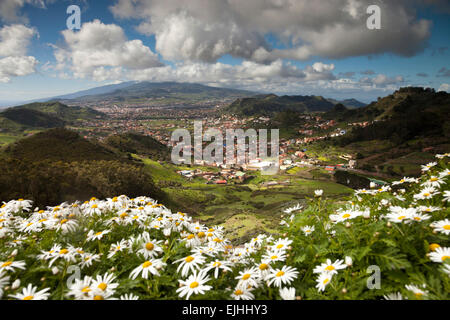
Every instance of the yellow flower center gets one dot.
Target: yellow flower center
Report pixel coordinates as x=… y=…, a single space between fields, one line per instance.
x=217 y=264
x=274 y=257
x=63 y=251
x=426 y=194
x=326 y=281
x=146 y=264
x=445 y=258
x=64 y=221
x=102 y=286
x=280 y=273
x=238 y=292
x=330 y=268
x=346 y=216
x=98 y=298
x=447 y=227
x=280 y=246
x=193 y=285
x=41 y=211
x=201 y=234
x=191 y=236
x=7 y=263
x=245 y=276
x=94 y=206
x=434 y=246
x=189 y=259
x=263 y=266
x=86 y=289
x=149 y=246
x=401 y=217
x=28 y=298
x=98 y=233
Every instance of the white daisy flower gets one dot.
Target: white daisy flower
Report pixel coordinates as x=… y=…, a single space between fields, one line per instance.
x=149 y=266
x=81 y=289
x=308 y=230
x=11 y=265
x=287 y=293
x=128 y=296
x=31 y=293
x=416 y=290
x=323 y=280
x=248 y=278
x=92 y=235
x=190 y=264
x=393 y=296
x=442 y=226
x=285 y=275
x=440 y=254
x=216 y=265
x=104 y=285
x=194 y=284
x=242 y=294
x=329 y=267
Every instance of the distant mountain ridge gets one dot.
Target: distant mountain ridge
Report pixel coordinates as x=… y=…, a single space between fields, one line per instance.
x=134 y=90
x=349 y=103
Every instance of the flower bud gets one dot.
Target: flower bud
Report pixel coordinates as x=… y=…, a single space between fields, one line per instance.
x=344 y=291
x=15 y=284
x=55 y=270
x=14 y=253
x=348 y=261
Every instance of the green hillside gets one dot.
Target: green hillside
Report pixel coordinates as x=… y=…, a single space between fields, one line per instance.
x=69 y=114
x=266 y=105
x=58 y=145
x=139 y=144
x=58 y=165
x=17 y=119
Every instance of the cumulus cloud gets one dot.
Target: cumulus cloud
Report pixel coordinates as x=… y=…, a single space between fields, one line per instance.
x=200 y=30
x=16 y=66
x=15 y=39
x=10 y=9
x=14 y=42
x=102 y=51
x=382 y=80
x=444 y=87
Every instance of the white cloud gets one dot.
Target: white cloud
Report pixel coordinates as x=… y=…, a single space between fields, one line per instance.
x=382 y=80
x=15 y=39
x=102 y=51
x=200 y=30
x=14 y=43
x=16 y=66
x=10 y=9
x=444 y=87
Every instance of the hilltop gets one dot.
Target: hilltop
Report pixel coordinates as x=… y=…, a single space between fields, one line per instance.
x=43 y=116
x=58 y=165
x=139 y=144
x=267 y=105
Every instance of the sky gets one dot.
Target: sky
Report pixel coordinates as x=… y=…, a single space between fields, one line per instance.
x=297 y=47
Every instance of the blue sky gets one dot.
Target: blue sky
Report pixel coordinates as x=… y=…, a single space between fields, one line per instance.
x=223 y=45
